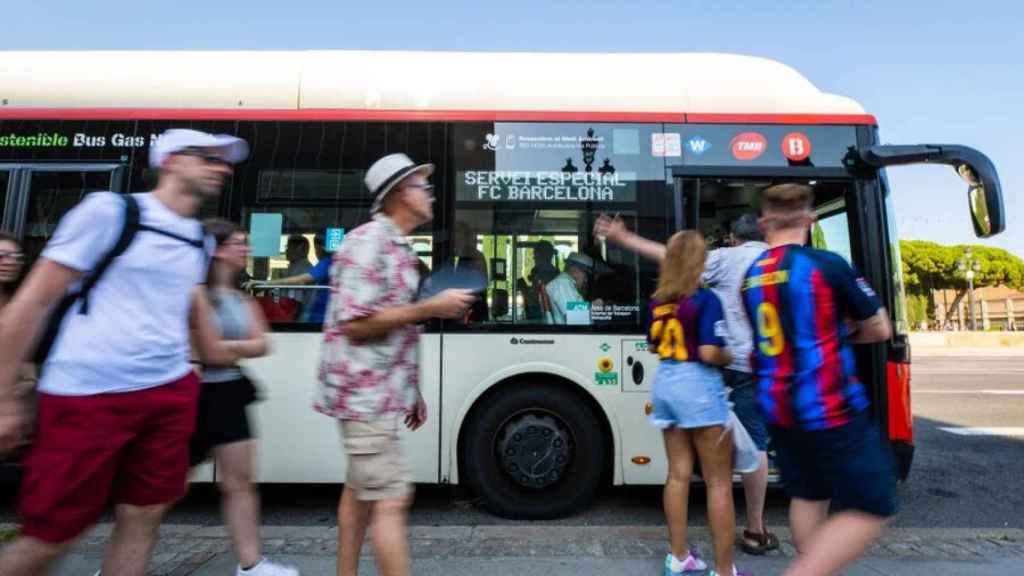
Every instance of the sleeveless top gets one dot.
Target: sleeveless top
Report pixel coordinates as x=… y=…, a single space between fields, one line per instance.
x=231 y=315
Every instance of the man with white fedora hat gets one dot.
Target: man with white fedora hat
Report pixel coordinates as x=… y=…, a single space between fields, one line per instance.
x=369 y=372
x=120 y=279
x=567 y=288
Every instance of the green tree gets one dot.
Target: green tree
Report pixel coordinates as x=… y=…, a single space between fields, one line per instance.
x=928 y=266
x=818 y=237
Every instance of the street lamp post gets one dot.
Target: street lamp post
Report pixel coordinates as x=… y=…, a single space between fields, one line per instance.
x=968 y=265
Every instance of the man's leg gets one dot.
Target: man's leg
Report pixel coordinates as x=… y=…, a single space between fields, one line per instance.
x=152 y=471
x=390 y=538
x=755 y=487
x=836 y=543
x=743 y=395
x=805 y=517
x=353 y=518
x=29 y=556
x=135 y=534
x=67 y=478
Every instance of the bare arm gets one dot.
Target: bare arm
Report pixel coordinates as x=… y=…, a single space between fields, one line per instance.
x=299 y=280
x=616 y=233
x=258 y=332
x=384 y=321
x=207 y=339
x=714 y=355
x=22 y=320
x=448 y=304
x=874 y=329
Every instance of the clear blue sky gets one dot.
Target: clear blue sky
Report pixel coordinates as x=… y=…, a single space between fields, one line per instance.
x=930 y=71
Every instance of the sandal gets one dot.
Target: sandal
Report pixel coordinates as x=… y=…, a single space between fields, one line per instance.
x=758 y=544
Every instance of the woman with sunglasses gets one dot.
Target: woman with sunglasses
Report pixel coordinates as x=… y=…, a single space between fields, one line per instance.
x=12 y=264
x=222 y=421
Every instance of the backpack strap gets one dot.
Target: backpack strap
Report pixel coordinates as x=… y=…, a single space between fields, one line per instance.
x=128 y=231
x=201 y=244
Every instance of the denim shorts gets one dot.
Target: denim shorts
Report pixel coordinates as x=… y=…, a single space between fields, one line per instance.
x=847 y=464
x=743 y=395
x=688 y=395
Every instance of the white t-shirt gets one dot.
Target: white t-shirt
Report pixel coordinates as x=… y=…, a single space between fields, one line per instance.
x=724 y=272
x=136 y=333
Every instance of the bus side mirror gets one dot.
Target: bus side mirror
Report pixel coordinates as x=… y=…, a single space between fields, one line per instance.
x=984 y=194
x=977 y=200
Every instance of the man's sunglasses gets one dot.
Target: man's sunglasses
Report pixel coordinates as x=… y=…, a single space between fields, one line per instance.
x=204 y=156
x=428 y=188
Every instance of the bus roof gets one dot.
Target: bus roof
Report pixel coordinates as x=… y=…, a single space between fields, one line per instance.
x=467 y=85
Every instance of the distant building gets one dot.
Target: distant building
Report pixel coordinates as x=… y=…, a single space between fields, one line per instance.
x=996 y=308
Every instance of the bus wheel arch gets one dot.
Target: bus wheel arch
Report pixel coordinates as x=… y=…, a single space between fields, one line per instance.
x=542 y=444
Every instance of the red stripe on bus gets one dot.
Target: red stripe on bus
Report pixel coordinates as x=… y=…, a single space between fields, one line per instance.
x=697 y=118
x=199 y=114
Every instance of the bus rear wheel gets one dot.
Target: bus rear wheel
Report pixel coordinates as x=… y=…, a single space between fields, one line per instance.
x=534 y=452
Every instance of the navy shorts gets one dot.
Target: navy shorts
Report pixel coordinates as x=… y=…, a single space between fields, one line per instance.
x=847 y=464
x=743 y=395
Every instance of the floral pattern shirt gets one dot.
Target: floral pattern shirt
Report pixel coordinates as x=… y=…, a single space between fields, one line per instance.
x=374 y=269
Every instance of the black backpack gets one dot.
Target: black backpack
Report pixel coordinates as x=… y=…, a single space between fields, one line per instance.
x=132 y=226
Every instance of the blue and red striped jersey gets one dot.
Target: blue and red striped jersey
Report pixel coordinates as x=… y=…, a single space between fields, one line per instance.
x=798 y=300
x=676 y=329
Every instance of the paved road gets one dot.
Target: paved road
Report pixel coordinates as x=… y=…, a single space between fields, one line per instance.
x=957 y=482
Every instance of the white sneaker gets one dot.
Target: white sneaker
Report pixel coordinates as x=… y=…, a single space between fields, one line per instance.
x=267 y=568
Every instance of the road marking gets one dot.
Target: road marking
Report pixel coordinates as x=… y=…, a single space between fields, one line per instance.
x=951 y=371
x=986 y=431
x=988 y=391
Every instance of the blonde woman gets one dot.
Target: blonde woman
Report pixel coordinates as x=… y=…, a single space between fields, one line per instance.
x=686 y=330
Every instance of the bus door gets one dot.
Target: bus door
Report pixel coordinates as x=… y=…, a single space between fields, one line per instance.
x=37 y=196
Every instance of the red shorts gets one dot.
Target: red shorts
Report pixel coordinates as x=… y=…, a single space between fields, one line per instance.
x=129 y=448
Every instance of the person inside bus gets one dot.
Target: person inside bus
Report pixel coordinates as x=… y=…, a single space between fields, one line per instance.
x=470 y=257
x=297 y=253
x=222 y=423
x=686 y=329
x=535 y=299
x=568 y=288
x=315 y=308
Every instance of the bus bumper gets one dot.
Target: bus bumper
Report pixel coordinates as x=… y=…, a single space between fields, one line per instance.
x=903 y=457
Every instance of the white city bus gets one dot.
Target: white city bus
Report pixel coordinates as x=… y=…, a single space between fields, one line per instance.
x=529 y=149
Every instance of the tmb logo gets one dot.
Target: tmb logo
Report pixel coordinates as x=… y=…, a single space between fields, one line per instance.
x=748 y=146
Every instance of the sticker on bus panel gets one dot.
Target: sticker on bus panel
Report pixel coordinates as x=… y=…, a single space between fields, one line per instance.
x=334 y=238
x=748 y=146
x=796 y=146
x=666 y=145
x=698 y=145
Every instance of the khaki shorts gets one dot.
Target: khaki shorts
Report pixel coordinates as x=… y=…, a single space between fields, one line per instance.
x=377 y=469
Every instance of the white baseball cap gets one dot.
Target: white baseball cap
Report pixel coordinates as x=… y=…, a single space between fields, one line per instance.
x=388 y=171
x=580 y=261
x=178 y=139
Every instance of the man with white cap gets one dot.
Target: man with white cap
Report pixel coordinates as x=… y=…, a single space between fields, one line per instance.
x=369 y=372
x=566 y=289
x=118 y=282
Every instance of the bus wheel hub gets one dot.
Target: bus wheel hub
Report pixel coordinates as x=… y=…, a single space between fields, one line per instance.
x=534 y=450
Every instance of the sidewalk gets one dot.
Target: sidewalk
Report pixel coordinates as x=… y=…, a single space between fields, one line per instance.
x=560 y=551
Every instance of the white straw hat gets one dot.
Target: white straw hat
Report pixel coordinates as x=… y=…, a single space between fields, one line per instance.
x=388 y=171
